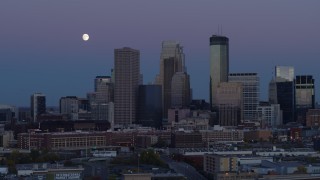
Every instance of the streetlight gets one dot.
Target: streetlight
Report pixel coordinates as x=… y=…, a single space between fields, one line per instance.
x=138 y=163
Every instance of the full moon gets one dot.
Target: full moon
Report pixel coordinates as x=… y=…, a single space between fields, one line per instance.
x=85 y=37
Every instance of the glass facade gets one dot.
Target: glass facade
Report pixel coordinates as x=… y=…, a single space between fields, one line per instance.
x=305 y=97
x=150 y=106
x=286 y=99
x=219 y=64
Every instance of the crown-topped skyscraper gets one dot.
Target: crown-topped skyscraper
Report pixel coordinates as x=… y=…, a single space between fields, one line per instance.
x=219 y=64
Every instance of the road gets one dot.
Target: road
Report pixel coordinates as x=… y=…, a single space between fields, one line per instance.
x=183 y=168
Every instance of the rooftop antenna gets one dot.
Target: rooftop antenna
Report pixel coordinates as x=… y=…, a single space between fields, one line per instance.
x=221 y=31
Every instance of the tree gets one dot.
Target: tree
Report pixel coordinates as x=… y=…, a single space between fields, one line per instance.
x=301 y=170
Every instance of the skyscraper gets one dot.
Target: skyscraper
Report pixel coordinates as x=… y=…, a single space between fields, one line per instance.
x=251 y=92
x=285 y=73
x=150 y=106
x=171 y=61
x=282 y=91
x=103 y=87
x=219 y=64
x=180 y=90
x=305 y=98
x=286 y=99
x=127 y=73
x=229 y=103
x=38 y=105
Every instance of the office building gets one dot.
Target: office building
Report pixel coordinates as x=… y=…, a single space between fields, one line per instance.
x=219 y=64
x=221 y=135
x=127 y=73
x=171 y=61
x=284 y=73
x=38 y=105
x=103 y=87
x=7 y=114
x=150 y=106
x=313 y=118
x=269 y=115
x=282 y=91
x=177 y=114
x=305 y=97
x=180 y=90
x=181 y=139
x=229 y=103
x=69 y=106
x=214 y=164
x=286 y=99
x=101 y=101
x=251 y=92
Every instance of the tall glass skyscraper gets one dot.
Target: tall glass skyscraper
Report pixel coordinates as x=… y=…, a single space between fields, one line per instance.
x=171 y=61
x=251 y=92
x=127 y=75
x=180 y=90
x=284 y=73
x=149 y=111
x=282 y=91
x=219 y=64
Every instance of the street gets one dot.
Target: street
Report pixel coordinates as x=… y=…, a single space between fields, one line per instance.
x=183 y=168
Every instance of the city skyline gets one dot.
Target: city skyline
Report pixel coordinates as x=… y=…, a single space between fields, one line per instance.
x=50 y=54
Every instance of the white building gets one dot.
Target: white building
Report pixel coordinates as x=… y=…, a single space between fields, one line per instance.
x=251 y=92
x=269 y=115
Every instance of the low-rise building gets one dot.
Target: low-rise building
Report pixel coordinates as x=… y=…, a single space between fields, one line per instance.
x=258 y=135
x=213 y=164
x=189 y=124
x=49 y=171
x=223 y=135
x=181 y=139
x=313 y=118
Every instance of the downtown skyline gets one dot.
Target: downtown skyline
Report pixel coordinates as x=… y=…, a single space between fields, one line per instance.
x=49 y=56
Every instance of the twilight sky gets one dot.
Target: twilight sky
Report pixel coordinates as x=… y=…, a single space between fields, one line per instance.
x=41 y=49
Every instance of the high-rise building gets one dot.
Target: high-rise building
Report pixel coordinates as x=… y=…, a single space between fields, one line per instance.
x=305 y=97
x=229 y=103
x=171 y=61
x=127 y=73
x=150 y=106
x=269 y=115
x=8 y=113
x=219 y=64
x=69 y=105
x=180 y=90
x=251 y=92
x=286 y=73
x=282 y=91
x=103 y=87
x=38 y=105
x=286 y=99
x=102 y=97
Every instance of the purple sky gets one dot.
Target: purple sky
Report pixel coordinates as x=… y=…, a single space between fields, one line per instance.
x=41 y=49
